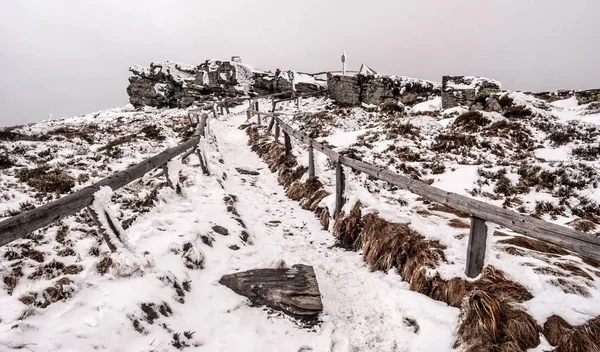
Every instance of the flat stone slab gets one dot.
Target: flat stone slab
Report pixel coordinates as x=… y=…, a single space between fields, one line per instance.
x=247 y=172
x=293 y=291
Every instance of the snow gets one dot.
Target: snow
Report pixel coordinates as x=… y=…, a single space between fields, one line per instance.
x=430 y=105
x=363 y=310
x=471 y=83
x=174 y=168
x=344 y=139
x=566 y=103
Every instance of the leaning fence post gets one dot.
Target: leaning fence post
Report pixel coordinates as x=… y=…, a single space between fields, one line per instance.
x=340 y=184
x=311 y=160
x=276 y=131
x=103 y=232
x=288 y=143
x=476 y=249
x=273 y=104
x=270 y=125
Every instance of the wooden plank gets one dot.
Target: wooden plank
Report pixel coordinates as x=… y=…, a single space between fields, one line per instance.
x=311 y=161
x=37 y=218
x=476 y=249
x=340 y=185
x=288 y=143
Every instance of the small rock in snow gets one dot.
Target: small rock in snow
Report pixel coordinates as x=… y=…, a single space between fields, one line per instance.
x=220 y=230
x=247 y=172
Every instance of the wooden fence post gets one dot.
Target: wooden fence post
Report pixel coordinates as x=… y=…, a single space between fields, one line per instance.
x=298 y=103
x=227 y=108
x=166 y=172
x=214 y=110
x=221 y=109
x=311 y=160
x=203 y=164
x=270 y=125
x=476 y=249
x=258 y=118
x=276 y=132
x=340 y=184
x=288 y=143
x=273 y=104
x=256 y=107
x=248 y=115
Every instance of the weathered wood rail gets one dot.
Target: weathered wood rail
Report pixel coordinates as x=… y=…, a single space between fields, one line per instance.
x=579 y=242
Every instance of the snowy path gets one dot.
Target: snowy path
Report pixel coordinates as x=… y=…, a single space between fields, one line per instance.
x=363 y=310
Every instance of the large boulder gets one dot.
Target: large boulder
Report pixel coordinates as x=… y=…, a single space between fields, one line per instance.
x=294 y=291
x=468 y=91
x=587 y=96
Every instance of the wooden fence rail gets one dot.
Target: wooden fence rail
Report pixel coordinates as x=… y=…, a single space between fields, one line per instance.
x=584 y=244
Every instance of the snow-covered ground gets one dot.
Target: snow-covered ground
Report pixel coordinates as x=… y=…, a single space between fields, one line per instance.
x=363 y=311
x=177 y=302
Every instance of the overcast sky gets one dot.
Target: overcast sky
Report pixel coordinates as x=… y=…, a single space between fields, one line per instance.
x=67 y=58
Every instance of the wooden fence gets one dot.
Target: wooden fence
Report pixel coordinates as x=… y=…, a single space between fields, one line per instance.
x=584 y=244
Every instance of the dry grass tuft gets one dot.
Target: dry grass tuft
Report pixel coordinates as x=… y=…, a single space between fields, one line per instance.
x=347 y=229
x=458 y=224
x=535 y=245
x=566 y=338
x=571 y=287
x=45 y=180
x=488 y=323
x=324 y=217
x=583 y=225
x=445 y=209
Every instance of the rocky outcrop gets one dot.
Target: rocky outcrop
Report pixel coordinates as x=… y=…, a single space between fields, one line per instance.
x=294 y=291
x=587 y=96
x=378 y=89
x=477 y=93
x=170 y=84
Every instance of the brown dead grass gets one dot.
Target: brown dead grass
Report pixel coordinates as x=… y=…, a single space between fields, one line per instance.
x=445 y=209
x=534 y=245
x=567 y=338
x=347 y=229
x=488 y=323
x=458 y=224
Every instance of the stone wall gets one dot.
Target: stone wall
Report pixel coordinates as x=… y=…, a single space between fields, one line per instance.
x=377 y=89
x=478 y=93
